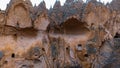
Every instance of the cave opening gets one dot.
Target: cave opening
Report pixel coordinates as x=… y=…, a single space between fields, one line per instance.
x=117 y=35
x=13 y=55
x=79 y=47
x=74 y=26
x=28 y=32
x=86 y=55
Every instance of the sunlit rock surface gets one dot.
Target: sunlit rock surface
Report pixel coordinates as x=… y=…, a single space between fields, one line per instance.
x=18 y=13
x=75 y=35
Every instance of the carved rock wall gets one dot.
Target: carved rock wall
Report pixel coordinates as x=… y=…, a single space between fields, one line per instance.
x=75 y=35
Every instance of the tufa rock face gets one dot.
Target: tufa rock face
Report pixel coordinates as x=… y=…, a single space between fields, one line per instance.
x=115 y=4
x=2 y=18
x=41 y=18
x=75 y=35
x=57 y=5
x=19 y=13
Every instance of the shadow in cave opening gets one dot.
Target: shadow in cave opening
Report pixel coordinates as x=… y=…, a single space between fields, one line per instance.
x=117 y=35
x=72 y=26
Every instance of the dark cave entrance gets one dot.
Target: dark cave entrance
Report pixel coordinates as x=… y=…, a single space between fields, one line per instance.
x=117 y=35
x=74 y=27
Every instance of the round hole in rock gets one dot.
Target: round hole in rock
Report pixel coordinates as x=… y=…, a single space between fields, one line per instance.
x=79 y=45
x=43 y=49
x=117 y=35
x=5 y=62
x=67 y=48
x=54 y=59
x=86 y=55
x=13 y=55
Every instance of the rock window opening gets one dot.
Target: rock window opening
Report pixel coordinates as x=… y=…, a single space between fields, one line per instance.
x=43 y=49
x=13 y=55
x=79 y=47
x=68 y=48
x=86 y=55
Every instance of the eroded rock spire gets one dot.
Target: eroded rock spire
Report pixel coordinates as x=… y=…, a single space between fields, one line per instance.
x=57 y=4
x=69 y=1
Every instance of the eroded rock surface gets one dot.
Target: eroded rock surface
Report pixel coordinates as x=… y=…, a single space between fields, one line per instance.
x=75 y=35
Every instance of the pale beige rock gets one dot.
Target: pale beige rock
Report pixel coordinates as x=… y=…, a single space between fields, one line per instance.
x=2 y=18
x=19 y=13
x=75 y=35
x=41 y=23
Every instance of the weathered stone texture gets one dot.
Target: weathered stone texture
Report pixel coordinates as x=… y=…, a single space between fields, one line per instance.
x=19 y=13
x=75 y=35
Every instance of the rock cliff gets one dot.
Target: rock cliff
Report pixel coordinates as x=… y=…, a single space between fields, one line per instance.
x=75 y=35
